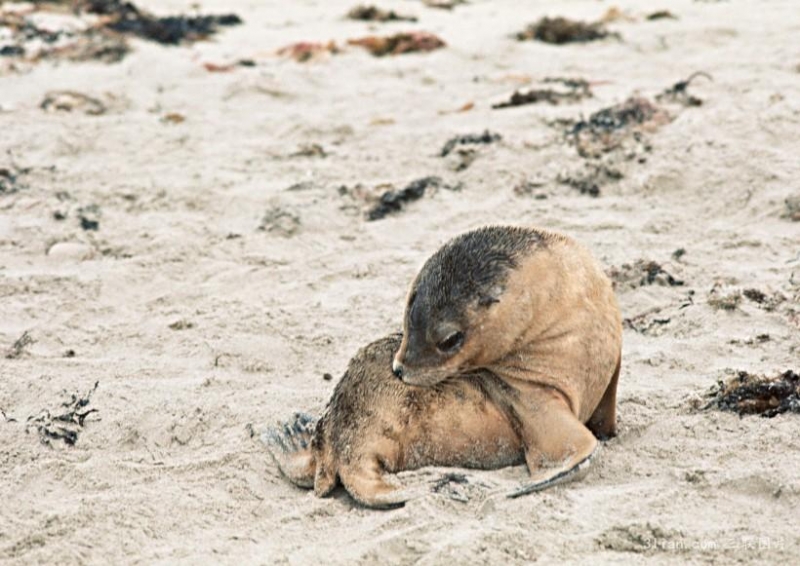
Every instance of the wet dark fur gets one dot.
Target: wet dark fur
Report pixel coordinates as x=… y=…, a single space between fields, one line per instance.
x=470 y=269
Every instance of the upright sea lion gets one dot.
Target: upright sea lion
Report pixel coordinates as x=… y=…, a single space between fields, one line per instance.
x=375 y=424
x=536 y=310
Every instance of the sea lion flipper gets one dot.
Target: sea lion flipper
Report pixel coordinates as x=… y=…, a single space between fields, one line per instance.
x=557 y=445
x=289 y=444
x=367 y=485
x=574 y=473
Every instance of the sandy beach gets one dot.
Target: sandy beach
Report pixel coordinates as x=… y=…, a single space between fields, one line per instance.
x=198 y=246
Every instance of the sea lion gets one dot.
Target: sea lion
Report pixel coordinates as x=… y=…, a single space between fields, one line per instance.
x=537 y=311
x=375 y=424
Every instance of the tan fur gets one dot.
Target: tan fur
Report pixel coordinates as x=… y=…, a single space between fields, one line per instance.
x=534 y=380
x=555 y=339
x=375 y=424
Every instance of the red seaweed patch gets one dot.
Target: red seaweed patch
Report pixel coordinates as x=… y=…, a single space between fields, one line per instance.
x=399 y=43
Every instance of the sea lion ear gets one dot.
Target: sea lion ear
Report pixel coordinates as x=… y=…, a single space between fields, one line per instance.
x=490 y=297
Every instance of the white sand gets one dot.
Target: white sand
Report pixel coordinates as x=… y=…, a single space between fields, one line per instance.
x=166 y=471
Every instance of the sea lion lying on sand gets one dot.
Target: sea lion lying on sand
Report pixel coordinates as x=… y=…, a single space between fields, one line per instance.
x=510 y=353
x=375 y=424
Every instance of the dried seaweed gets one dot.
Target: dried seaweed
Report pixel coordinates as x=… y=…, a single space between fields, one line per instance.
x=721 y=298
x=607 y=129
x=11 y=179
x=124 y=17
x=310 y=150
x=444 y=4
x=89 y=217
x=305 y=51
x=559 y=31
x=486 y=137
x=768 y=302
x=647 y=322
x=374 y=14
x=590 y=179
x=391 y=202
x=69 y=101
x=450 y=485
x=280 y=221
x=18 y=348
x=100 y=38
x=66 y=422
x=750 y=394
x=577 y=90
x=679 y=92
x=661 y=15
x=641 y=273
x=399 y=43
x=792 y=204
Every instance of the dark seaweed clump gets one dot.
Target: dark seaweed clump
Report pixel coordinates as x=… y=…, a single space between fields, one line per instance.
x=577 y=90
x=66 y=423
x=485 y=138
x=393 y=201
x=104 y=38
x=170 y=30
x=749 y=394
x=632 y=111
x=10 y=179
x=375 y=14
x=611 y=128
x=562 y=30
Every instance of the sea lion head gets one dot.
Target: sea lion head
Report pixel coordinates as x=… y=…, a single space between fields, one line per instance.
x=456 y=304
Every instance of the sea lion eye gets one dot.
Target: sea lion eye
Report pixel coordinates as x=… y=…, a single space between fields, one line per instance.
x=452 y=343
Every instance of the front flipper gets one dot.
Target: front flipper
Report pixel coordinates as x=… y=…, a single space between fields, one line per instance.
x=290 y=446
x=578 y=471
x=558 y=447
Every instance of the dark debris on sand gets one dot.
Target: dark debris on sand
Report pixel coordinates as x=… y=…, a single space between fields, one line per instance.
x=399 y=43
x=374 y=14
x=576 y=90
x=641 y=273
x=750 y=394
x=591 y=178
x=11 y=179
x=661 y=15
x=560 y=30
x=443 y=4
x=19 y=346
x=127 y=18
x=66 y=422
x=89 y=217
x=679 y=92
x=280 y=221
x=391 y=202
x=103 y=39
x=486 y=137
x=792 y=211
x=451 y=485
x=650 y=322
x=607 y=129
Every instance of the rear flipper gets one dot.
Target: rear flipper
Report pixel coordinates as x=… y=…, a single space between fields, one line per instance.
x=290 y=446
x=366 y=483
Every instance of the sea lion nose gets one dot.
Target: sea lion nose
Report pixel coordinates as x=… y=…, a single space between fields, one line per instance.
x=397 y=370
